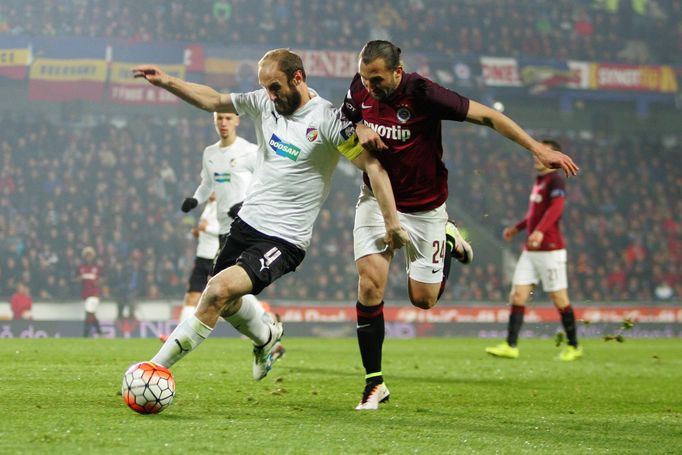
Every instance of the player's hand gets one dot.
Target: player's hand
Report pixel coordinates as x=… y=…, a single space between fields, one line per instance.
x=369 y=139
x=396 y=238
x=152 y=73
x=535 y=240
x=203 y=224
x=509 y=233
x=234 y=210
x=553 y=159
x=188 y=204
x=195 y=232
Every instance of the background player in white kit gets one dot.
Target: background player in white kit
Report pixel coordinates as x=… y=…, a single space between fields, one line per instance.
x=206 y=232
x=300 y=137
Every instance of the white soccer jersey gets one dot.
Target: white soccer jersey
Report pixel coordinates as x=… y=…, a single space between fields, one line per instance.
x=298 y=156
x=208 y=239
x=228 y=172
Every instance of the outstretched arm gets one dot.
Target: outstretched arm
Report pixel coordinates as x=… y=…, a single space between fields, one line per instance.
x=483 y=115
x=201 y=96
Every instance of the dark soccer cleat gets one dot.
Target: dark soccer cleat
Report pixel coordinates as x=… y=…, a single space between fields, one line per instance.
x=461 y=249
x=372 y=396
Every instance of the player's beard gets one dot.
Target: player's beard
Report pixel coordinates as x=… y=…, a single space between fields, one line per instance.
x=380 y=95
x=288 y=105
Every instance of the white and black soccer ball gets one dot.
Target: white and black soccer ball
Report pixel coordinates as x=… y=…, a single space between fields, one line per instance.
x=148 y=388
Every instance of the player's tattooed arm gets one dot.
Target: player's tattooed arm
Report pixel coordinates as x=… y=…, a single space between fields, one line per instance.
x=485 y=121
x=201 y=96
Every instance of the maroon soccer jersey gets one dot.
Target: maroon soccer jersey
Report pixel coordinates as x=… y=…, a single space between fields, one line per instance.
x=544 y=210
x=90 y=275
x=409 y=123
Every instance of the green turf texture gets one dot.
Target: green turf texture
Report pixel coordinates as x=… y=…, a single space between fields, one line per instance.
x=447 y=396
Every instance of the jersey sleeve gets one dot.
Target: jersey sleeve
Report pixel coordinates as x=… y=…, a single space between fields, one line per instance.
x=350 y=109
x=340 y=132
x=205 y=188
x=250 y=104
x=212 y=224
x=445 y=103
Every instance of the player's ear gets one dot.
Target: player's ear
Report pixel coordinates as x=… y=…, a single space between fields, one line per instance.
x=298 y=77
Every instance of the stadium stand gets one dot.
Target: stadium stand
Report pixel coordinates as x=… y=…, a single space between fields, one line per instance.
x=641 y=31
x=118 y=187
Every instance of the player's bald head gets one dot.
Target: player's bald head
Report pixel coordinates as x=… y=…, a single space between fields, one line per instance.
x=287 y=62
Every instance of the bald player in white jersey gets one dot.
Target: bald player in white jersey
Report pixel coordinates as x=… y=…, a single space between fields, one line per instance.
x=300 y=138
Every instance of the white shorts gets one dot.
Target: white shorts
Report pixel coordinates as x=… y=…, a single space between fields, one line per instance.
x=426 y=230
x=91 y=304
x=548 y=266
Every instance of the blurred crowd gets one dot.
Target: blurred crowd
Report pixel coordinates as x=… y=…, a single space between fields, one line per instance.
x=117 y=186
x=622 y=221
x=638 y=31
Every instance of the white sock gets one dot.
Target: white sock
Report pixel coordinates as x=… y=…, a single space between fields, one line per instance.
x=187 y=311
x=252 y=320
x=186 y=336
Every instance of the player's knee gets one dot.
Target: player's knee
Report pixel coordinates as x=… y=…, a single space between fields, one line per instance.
x=370 y=289
x=216 y=295
x=517 y=298
x=424 y=302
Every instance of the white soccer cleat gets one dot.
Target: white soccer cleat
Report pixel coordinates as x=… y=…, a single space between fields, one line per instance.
x=278 y=352
x=372 y=396
x=455 y=239
x=265 y=356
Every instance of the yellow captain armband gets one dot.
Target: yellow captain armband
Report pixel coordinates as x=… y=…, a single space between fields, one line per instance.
x=351 y=148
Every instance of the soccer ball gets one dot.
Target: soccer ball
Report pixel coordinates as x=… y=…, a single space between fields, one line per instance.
x=148 y=388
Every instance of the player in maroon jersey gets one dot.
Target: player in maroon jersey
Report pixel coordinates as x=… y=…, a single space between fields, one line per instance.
x=398 y=117
x=89 y=274
x=543 y=259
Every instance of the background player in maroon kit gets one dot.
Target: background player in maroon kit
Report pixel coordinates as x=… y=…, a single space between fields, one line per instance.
x=398 y=117
x=89 y=274
x=543 y=258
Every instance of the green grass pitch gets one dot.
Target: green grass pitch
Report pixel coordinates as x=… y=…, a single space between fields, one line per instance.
x=447 y=396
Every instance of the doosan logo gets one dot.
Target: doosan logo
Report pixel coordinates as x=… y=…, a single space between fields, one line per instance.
x=283 y=148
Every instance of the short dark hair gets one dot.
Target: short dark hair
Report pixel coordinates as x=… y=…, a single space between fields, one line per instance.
x=287 y=62
x=553 y=144
x=385 y=50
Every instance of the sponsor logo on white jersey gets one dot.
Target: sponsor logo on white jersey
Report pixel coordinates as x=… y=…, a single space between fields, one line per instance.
x=283 y=148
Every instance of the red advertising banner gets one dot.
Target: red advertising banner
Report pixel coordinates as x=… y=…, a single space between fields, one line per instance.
x=500 y=72
x=452 y=314
x=329 y=63
x=194 y=59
